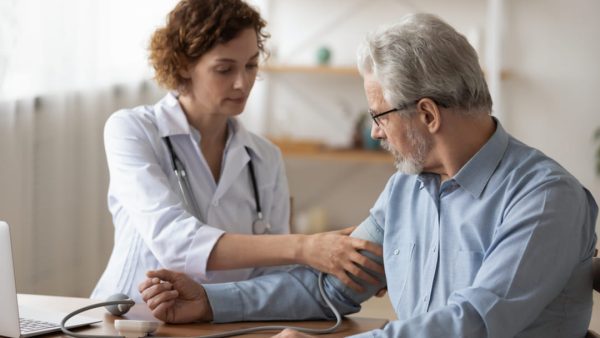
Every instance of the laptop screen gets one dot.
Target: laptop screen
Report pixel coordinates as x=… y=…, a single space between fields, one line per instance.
x=9 y=320
x=36 y=321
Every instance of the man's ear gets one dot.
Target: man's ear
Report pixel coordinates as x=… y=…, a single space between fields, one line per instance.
x=429 y=114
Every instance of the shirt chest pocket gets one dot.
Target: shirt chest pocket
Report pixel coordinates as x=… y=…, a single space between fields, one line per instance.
x=398 y=265
x=465 y=266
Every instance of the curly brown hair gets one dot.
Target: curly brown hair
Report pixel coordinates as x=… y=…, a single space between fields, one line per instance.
x=193 y=28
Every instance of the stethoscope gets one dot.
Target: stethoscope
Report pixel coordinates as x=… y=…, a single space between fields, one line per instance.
x=259 y=226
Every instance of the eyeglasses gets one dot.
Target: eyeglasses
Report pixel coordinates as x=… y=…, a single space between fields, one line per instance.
x=376 y=116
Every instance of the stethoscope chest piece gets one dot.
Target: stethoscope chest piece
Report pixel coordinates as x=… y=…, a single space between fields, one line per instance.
x=260 y=226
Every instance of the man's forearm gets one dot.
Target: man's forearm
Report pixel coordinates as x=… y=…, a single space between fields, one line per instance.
x=291 y=295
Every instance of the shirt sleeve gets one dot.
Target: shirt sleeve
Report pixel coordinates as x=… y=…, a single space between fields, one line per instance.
x=293 y=294
x=522 y=272
x=139 y=185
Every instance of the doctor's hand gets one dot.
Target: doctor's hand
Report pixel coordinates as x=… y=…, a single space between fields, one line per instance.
x=173 y=297
x=336 y=253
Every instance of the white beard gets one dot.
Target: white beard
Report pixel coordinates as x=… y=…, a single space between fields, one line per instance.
x=411 y=163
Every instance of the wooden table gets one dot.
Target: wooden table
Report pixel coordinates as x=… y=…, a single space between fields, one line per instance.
x=140 y=312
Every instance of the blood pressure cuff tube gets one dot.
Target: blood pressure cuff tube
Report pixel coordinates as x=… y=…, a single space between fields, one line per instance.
x=369 y=231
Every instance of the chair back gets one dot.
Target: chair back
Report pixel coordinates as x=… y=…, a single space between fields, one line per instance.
x=596 y=279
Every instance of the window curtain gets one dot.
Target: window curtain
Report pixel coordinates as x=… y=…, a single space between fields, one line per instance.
x=65 y=66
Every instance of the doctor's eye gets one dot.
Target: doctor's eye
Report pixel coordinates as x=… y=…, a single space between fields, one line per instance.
x=223 y=70
x=252 y=66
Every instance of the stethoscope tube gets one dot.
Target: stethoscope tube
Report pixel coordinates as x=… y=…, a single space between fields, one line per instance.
x=259 y=222
x=63 y=322
x=182 y=180
x=255 y=188
x=259 y=226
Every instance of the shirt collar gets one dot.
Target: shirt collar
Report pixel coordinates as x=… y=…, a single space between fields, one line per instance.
x=171 y=120
x=476 y=173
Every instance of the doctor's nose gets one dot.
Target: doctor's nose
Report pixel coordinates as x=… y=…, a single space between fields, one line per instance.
x=242 y=81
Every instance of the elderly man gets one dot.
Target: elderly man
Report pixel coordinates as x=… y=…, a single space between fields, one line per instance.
x=483 y=236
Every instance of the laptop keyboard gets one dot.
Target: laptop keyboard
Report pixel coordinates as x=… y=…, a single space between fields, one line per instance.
x=30 y=325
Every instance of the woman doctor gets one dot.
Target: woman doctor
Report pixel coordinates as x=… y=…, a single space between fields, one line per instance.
x=190 y=188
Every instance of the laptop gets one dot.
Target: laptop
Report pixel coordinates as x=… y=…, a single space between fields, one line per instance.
x=20 y=321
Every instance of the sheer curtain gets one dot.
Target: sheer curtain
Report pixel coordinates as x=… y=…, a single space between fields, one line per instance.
x=57 y=45
x=65 y=66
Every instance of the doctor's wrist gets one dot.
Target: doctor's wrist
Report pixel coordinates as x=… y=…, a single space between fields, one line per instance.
x=300 y=249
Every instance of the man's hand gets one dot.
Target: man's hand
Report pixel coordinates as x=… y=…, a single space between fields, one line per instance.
x=289 y=333
x=175 y=298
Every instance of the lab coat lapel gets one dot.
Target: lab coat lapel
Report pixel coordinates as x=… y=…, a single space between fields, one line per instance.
x=236 y=160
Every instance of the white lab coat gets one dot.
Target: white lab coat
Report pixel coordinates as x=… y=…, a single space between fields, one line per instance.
x=153 y=229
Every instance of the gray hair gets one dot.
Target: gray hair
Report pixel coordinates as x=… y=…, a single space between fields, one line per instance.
x=422 y=56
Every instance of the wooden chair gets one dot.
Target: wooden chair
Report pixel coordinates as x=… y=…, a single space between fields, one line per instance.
x=596 y=276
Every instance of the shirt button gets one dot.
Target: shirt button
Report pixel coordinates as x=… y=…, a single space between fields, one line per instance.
x=216 y=203
x=426 y=299
x=396 y=252
x=434 y=249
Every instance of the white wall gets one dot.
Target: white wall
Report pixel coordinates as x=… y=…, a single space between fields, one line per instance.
x=550 y=50
x=553 y=52
x=325 y=107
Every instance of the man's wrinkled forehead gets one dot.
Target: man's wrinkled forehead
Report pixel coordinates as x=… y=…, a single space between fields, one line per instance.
x=373 y=90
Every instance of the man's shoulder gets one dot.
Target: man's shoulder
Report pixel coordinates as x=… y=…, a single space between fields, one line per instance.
x=524 y=167
x=525 y=158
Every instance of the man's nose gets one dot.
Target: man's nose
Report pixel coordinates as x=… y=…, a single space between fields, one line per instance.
x=377 y=132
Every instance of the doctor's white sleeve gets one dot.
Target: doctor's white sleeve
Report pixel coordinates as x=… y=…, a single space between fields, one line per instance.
x=140 y=195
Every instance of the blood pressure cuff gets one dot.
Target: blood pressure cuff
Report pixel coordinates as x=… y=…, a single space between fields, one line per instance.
x=370 y=231
x=293 y=294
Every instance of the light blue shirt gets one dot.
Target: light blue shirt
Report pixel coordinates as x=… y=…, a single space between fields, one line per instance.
x=153 y=228
x=502 y=249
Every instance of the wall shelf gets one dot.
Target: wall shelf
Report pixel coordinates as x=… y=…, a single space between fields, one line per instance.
x=333 y=70
x=307 y=69
x=317 y=151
